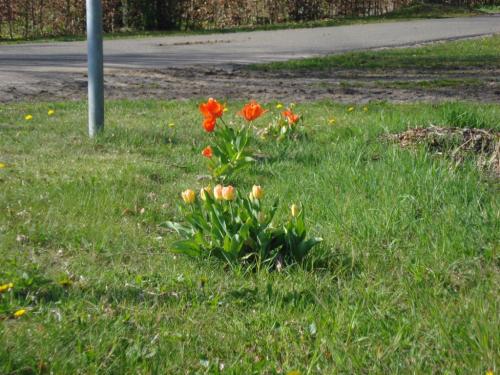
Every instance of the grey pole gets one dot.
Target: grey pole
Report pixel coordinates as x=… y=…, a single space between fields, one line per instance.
x=95 y=67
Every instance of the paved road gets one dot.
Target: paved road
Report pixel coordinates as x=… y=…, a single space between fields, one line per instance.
x=241 y=48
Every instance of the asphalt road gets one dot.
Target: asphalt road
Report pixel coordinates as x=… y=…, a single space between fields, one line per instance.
x=241 y=48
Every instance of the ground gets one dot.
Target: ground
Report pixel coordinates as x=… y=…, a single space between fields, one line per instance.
x=200 y=66
x=461 y=70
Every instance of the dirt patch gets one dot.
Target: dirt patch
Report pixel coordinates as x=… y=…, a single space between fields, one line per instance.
x=459 y=143
x=236 y=82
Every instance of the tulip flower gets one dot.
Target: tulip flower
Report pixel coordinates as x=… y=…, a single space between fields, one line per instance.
x=257 y=192
x=188 y=196
x=204 y=192
x=228 y=193
x=252 y=111
x=291 y=117
x=218 y=192
x=207 y=152
x=209 y=124
x=211 y=109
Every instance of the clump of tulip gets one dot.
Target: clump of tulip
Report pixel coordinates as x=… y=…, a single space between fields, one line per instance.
x=239 y=228
x=227 y=151
x=285 y=124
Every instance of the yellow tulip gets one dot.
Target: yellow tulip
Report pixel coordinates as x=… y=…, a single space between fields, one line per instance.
x=188 y=196
x=257 y=192
x=295 y=210
x=218 y=192
x=204 y=192
x=228 y=193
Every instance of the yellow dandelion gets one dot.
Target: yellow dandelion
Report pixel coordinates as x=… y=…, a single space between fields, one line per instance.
x=350 y=109
x=51 y=112
x=489 y=372
x=28 y=117
x=171 y=125
x=19 y=313
x=279 y=106
x=332 y=121
x=293 y=372
x=225 y=109
x=6 y=287
x=2 y=165
x=365 y=109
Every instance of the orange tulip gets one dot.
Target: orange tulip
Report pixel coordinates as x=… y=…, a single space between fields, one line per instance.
x=209 y=124
x=207 y=152
x=291 y=117
x=211 y=109
x=252 y=111
x=228 y=193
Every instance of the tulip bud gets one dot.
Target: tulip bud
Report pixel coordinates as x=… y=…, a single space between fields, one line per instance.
x=218 y=192
x=295 y=210
x=257 y=192
x=188 y=196
x=204 y=192
x=228 y=193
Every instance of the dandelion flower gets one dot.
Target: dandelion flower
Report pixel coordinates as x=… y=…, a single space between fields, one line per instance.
x=365 y=109
x=225 y=110
x=19 y=313
x=350 y=109
x=171 y=125
x=28 y=117
x=279 y=106
x=51 y=112
x=332 y=121
x=6 y=287
x=2 y=165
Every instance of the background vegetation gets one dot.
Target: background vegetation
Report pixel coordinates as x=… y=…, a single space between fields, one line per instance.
x=43 y=18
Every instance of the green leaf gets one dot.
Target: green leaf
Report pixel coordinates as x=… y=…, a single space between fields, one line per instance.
x=187 y=247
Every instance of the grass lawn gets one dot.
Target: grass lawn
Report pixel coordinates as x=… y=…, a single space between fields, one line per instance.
x=415 y=11
x=406 y=280
x=477 y=53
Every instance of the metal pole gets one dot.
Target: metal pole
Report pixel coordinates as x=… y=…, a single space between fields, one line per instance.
x=95 y=67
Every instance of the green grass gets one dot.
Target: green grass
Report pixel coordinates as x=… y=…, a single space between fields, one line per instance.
x=406 y=280
x=415 y=11
x=478 y=53
x=489 y=9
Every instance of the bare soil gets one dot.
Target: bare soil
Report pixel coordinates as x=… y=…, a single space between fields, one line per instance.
x=237 y=82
